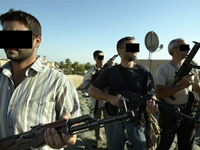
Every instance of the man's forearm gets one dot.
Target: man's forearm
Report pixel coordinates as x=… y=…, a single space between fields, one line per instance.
x=168 y=91
x=98 y=94
x=88 y=85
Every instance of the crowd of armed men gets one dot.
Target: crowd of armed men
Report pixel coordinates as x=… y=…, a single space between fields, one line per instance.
x=31 y=93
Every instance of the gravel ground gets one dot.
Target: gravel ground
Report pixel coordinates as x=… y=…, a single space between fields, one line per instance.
x=85 y=139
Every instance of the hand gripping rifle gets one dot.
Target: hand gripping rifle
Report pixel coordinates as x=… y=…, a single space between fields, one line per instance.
x=137 y=101
x=35 y=137
x=105 y=66
x=187 y=66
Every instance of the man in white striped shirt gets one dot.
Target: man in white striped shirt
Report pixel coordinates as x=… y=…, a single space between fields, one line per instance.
x=31 y=93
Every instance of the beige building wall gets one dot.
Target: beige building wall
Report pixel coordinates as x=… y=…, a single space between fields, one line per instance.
x=152 y=64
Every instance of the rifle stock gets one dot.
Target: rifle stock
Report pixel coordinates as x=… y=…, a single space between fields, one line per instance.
x=35 y=137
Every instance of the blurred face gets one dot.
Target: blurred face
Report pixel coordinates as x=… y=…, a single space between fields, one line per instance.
x=99 y=58
x=128 y=56
x=15 y=54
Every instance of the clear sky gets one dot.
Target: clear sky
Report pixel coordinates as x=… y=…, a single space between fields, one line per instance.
x=76 y=28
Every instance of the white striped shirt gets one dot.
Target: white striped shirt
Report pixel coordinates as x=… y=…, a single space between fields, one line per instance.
x=43 y=96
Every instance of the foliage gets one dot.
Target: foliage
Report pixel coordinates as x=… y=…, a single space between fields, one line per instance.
x=74 y=68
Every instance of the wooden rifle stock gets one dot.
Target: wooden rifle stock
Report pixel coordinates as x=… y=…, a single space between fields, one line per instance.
x=35 y=137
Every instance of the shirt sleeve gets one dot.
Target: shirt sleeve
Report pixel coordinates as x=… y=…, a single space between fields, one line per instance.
x=88 y=77
x=150 y=87
x=102 y=81
x=160 y=77
x=67 y=99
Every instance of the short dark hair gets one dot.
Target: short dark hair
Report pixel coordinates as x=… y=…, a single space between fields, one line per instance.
x=95 y=54
x=121 y=42
x=27 y=19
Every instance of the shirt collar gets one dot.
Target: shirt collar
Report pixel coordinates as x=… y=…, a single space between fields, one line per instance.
x=96 y=67
x=36 y=66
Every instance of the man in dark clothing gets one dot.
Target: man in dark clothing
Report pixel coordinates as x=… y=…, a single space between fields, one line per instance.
x=128 y=76
x=98 y=106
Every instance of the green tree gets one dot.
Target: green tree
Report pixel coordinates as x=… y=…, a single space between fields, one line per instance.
x=88 y=66
x=62 y=65
x=68 y=63
x=57 y=64
x=81 y=69
x=75 y=66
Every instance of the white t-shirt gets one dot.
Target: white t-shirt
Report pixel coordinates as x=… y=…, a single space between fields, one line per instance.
x=165 y=76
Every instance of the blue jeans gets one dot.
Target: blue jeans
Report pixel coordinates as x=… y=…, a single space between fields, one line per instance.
x=116 y=137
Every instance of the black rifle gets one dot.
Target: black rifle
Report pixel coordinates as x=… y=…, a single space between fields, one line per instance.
x=187 y=66
x=137 y=101
x=105 y=66
x=35 y=137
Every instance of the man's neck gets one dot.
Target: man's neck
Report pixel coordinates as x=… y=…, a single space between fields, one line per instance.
x=127 y=64
x=19 y=68
x=177 y=61
x=99 y=65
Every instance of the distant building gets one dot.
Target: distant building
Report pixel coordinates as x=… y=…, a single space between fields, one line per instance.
x=43 y=61
x=3 y=61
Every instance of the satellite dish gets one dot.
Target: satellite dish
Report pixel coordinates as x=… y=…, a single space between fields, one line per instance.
x=151 y=41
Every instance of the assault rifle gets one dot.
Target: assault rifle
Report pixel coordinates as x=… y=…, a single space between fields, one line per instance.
x=187 y=66
x=35 y=137
x=137 y=101
x=105 y=66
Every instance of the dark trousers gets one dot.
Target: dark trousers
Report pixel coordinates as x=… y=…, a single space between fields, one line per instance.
x=185 y=131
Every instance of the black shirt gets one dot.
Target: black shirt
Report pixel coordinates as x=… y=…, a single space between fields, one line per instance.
x=139 y=78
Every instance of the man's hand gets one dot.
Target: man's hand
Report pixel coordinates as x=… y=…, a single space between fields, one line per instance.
x=54 y=140
x=152 y=107
x=187 y=80
x=110 y=63
x=115 y=100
